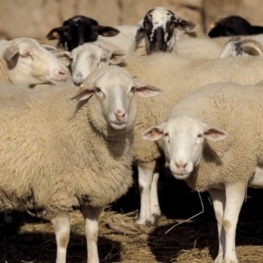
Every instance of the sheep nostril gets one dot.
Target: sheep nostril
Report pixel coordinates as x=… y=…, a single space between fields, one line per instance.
x=119 y=115
x=63 y=75
x=180 y=165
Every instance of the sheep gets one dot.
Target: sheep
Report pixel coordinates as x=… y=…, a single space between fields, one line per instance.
x=204 y=47
x=161 y=28
x=176 y=76
x=212 y=139
x=80 y=147
x=233 y=26
x=78 y=30
x=241 y=47
x=28 y=62
x=127 y=38
x=89 y=56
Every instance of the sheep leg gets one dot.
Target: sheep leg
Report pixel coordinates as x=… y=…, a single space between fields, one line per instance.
x=218 y=199
x=146 y=184
x=91 y=217
x=62 y=232
x=235 y=195
x=155 y=207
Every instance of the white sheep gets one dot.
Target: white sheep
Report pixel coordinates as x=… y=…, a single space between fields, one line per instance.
x=88 y=57
x=237 y=46
x=28 y=62
x=223 y=161
x=204 y=47
x=176 y=76
x=58 y=153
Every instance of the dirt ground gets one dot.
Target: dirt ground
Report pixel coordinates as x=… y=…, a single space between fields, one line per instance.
x=120 y=239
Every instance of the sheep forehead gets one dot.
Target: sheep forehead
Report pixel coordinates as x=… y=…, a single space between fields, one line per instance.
x=110 y=79
x=88 y=50
x=160 y=17
x=25 y=42
x=184 y=124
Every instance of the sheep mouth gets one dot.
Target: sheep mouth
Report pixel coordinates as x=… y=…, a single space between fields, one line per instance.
x=118 y=125
x=54 y=81
x=180 y=175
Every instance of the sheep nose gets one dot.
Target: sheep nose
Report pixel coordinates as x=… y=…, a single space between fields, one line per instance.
x=158 y=47
x=119 y=115
x=78 y=79
x=62 y=75
x=180 y=166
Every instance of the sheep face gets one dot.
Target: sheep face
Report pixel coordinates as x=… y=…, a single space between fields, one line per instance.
x=161 y=28
x=31 y=63
x=88 y=57
x=183 y=139
x=233 y=26
x=79 y=30
x=113 y=90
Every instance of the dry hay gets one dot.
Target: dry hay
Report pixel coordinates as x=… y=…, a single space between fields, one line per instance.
x=121 y=240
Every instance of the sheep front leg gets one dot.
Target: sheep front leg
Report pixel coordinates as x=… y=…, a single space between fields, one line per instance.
x=91 y=217
x=235 y=195
x=62 y=232
x=148 y=190
x=218 y=199
x=155 y=207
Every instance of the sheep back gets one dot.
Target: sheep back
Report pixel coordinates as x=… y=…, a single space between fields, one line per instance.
x=177 y=76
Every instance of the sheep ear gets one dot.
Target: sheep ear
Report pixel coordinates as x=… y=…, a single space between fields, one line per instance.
x=146 y=90
x=48 y=47
x=10 y=52
x=116 y=57
x=185 y=25
x=54 y=33
x=214 y=134
x=108 y=31
x=140 y=31
x=83 y=94
x=154 y=133
x=64 y=56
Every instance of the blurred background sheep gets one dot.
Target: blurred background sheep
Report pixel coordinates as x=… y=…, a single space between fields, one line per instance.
x=35 y=18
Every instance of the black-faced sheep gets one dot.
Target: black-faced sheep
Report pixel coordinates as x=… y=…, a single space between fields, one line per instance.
x=234 y=26
x=78 y=30
x=160 y=29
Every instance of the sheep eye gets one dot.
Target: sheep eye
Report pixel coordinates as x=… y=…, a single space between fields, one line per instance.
x=26 y=55
x=200 y=135
x=166 y=134
x=103 y=60
x=133 y=90
x=97 y=90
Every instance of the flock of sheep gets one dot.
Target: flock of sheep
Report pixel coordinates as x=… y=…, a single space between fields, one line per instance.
x=76 y=117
